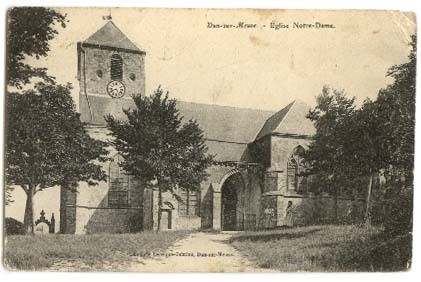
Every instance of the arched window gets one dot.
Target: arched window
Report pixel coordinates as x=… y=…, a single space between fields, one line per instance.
x=119 y=184
x=295 y=168
x=188 y=204
x=116 y=67
x=292 y=171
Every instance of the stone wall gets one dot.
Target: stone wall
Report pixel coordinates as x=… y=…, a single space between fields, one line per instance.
x=268 y=213
x=207 y=213
x=253 y=198
x=93 y=215
x=87 y=211
x=281 y=150
x=67 y=211
x=308 y=210
x=96 y=59
x=108 y=220
x=261 y=151
x=170 y=219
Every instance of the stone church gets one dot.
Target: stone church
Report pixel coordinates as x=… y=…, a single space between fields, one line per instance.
x=256 y=172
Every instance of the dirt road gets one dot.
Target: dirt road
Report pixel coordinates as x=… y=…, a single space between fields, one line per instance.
x=200 y=252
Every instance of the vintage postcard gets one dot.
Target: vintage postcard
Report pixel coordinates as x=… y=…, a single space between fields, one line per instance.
x=209 y=140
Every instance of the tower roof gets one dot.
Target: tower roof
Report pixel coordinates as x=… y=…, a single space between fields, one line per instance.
x=112 y=37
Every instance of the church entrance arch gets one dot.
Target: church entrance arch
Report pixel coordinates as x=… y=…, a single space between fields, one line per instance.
x=232 y=203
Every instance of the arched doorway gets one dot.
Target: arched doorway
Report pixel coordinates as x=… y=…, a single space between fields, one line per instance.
x=232 y=203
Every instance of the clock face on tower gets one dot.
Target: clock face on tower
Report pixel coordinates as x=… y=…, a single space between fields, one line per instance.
x=116 y=89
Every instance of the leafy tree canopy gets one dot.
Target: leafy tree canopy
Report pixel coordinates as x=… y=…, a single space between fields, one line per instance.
x=377 y=137
x=157 y=145
x=326 y=154
x=395 y=116
x=29 y=30
x=46 y=143
x=352 y=145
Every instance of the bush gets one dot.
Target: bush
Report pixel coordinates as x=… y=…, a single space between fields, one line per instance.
x=398 y=219
x=14 y=227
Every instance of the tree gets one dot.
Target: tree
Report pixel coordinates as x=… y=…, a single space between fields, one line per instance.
x=352 y=144
x=385 y=130
x=158 y=147
x=326 y=154
x=47 y=144
x=349 y=145
x=363 y=153
x=395 y=116
x=29 y=30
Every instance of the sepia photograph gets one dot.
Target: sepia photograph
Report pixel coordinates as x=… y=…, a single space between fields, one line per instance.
x=208 y=140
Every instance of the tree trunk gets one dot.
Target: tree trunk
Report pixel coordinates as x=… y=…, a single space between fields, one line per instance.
x=159 y=209
x=368 y=204
x=336 y=204
x=28 y=221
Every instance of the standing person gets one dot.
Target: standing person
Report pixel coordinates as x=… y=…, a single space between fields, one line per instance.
x=289 y=216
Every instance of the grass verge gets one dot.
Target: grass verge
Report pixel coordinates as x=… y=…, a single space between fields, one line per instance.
x=41 y=252
x=325 y=248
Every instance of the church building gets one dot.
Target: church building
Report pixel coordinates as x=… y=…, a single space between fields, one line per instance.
x=255 y=176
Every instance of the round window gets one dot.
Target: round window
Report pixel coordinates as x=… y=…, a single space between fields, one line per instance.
x=132 y=77
x=99 y=73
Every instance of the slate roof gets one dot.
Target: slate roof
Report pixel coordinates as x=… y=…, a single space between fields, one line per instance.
x=225 y=123
x=111 y=36
x=290 y=120
x=228 y=130
x=272 y=123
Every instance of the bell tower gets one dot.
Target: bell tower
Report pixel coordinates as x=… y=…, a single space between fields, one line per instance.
x=111 y=69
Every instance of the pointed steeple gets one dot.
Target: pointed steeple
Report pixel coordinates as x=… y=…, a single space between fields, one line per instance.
x=112 y=37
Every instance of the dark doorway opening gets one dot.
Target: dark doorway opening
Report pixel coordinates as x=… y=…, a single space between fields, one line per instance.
x=231 y=205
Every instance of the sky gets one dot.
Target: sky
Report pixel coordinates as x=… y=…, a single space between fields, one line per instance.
x=260 y=68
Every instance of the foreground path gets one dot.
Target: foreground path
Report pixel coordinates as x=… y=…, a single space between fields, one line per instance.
x=200 y=252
